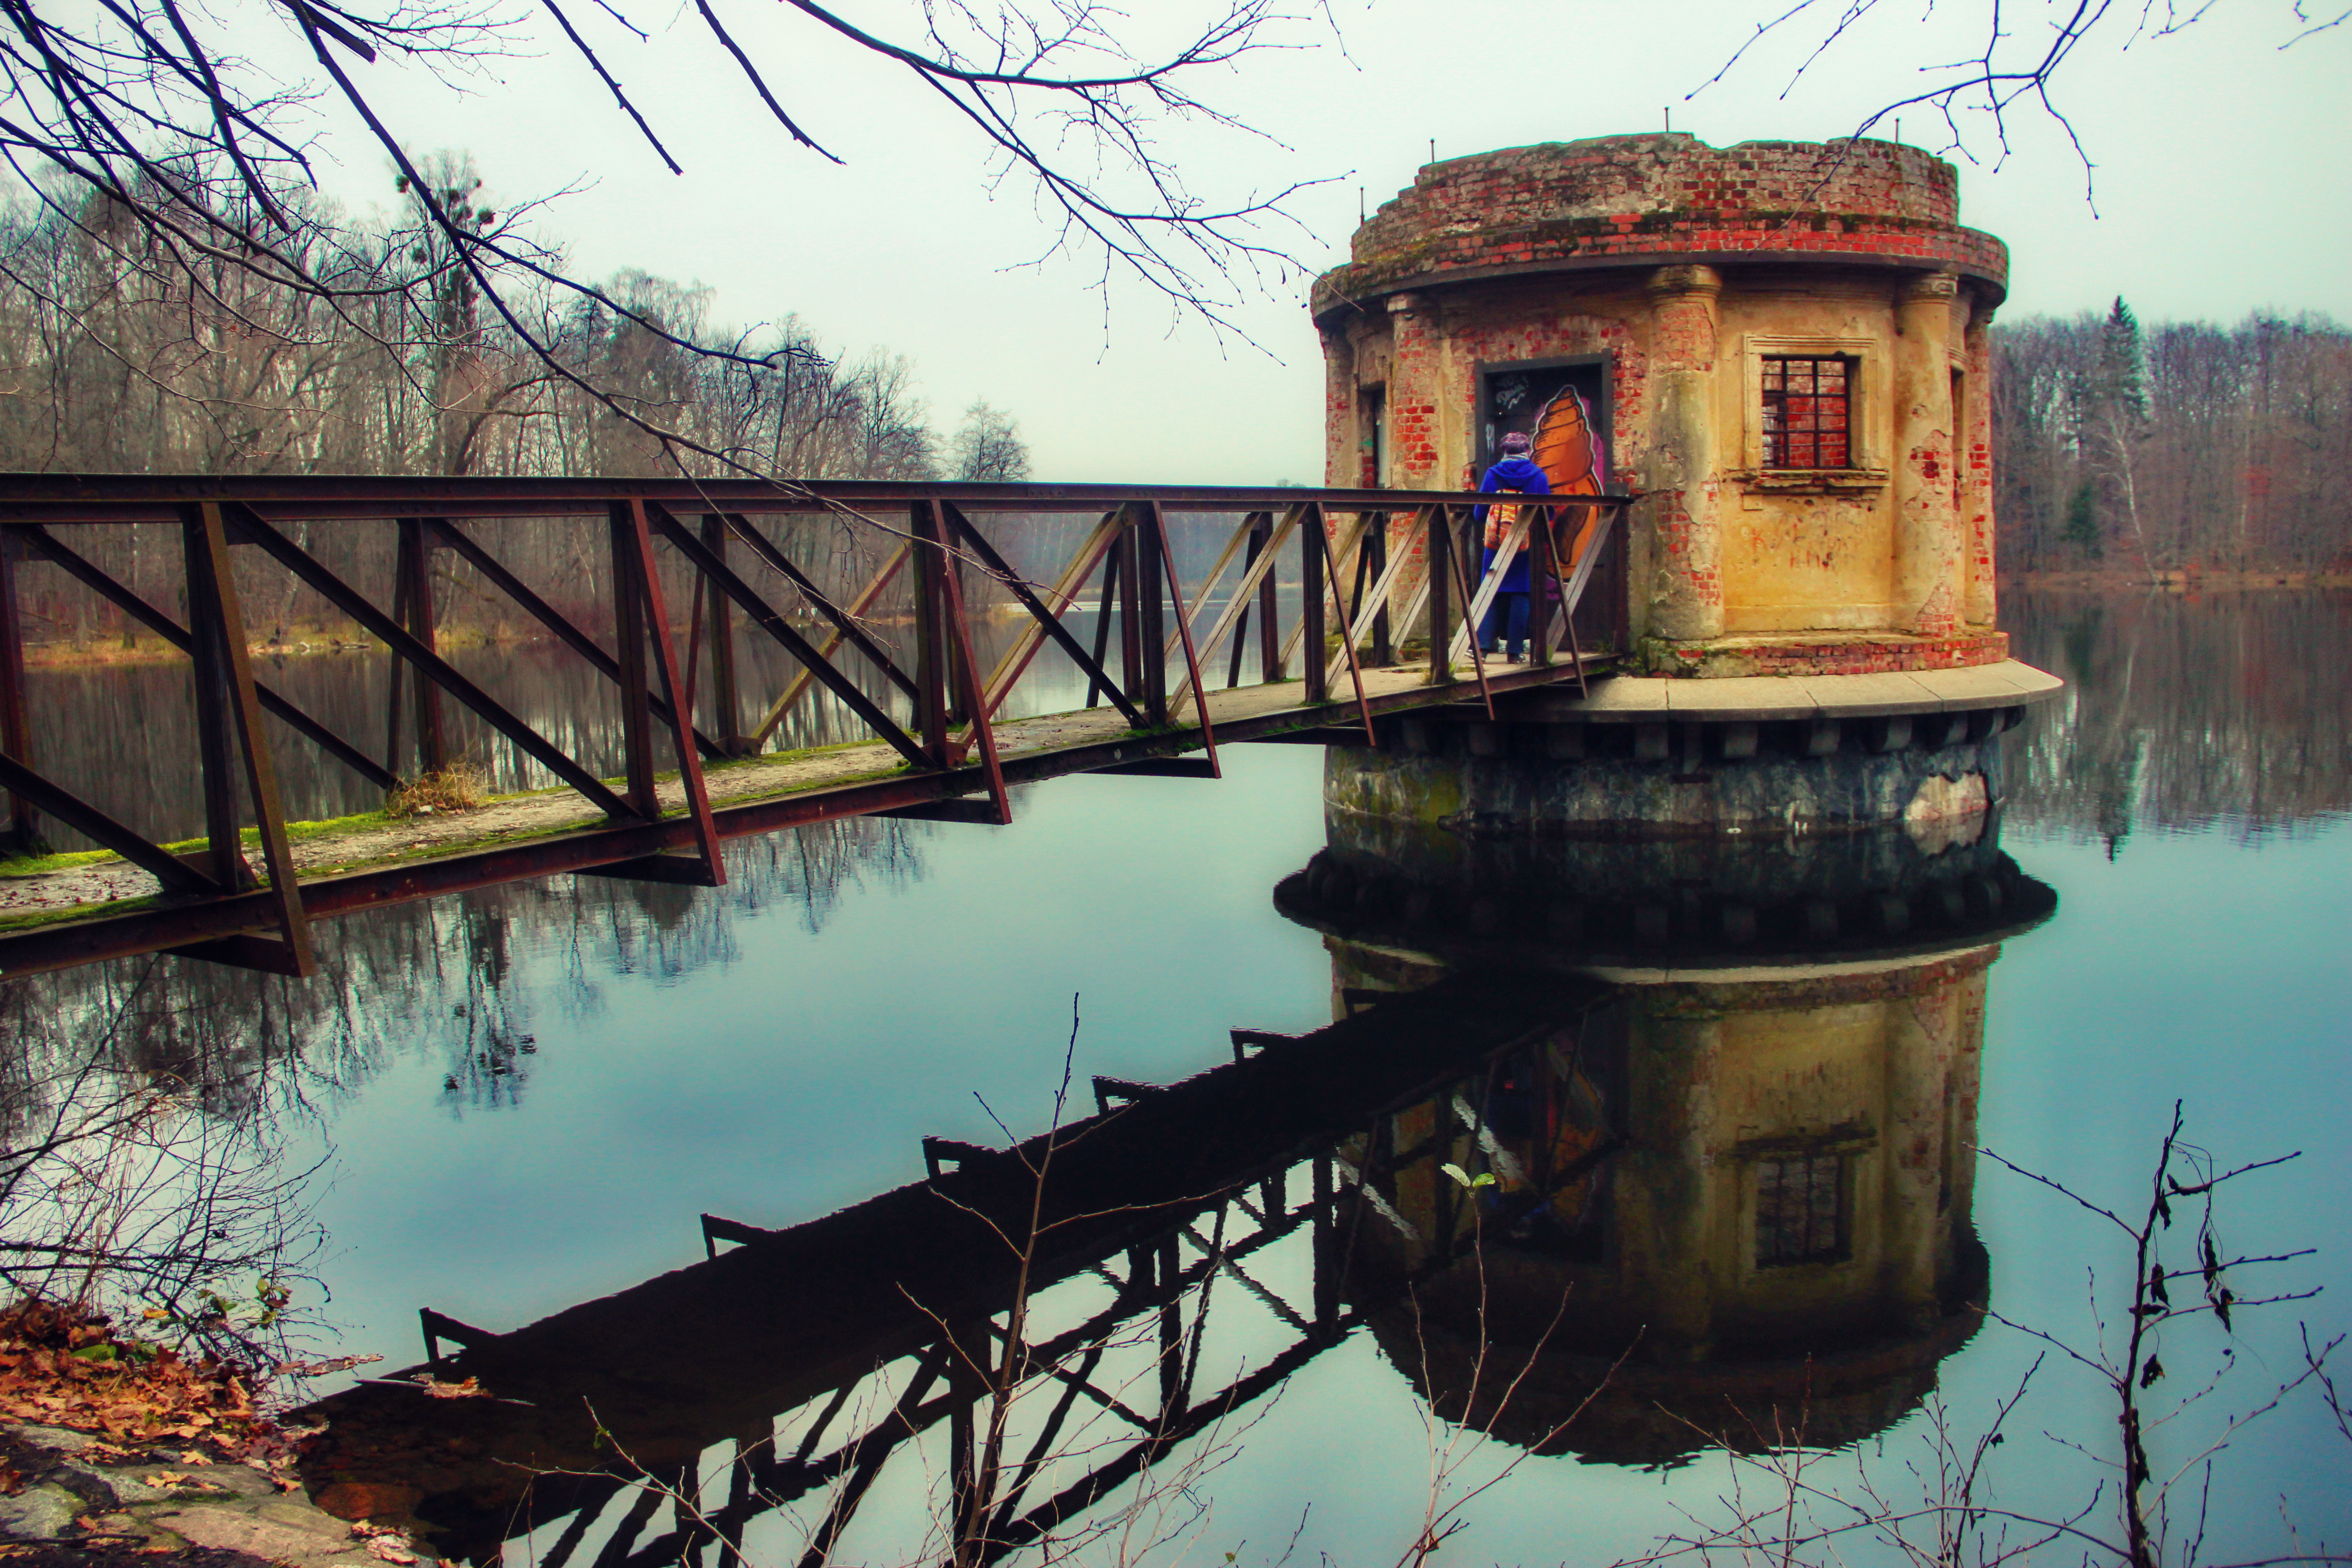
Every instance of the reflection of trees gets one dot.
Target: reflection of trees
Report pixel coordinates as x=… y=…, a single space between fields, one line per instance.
x=2183 y=712
x=140 y=1162
x=148 y=1108
x=461 y=975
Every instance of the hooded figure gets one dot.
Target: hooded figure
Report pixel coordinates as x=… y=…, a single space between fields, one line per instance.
x=1507 y=618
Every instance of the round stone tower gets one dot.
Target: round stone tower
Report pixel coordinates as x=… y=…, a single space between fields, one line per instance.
x=1782 y=349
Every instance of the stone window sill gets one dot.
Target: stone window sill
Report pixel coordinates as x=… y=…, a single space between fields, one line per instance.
x=1813 y=481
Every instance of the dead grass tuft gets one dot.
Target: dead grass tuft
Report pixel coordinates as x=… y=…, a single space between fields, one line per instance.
x=456 y=788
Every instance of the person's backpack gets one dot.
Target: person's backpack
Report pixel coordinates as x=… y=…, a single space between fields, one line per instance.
x=1501 y=518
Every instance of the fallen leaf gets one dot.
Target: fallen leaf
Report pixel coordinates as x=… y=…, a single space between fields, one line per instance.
x=470 y=1389
x=167 y=1478
x=196 y=1457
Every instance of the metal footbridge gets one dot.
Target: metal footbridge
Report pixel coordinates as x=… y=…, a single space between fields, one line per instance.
x=880 y=634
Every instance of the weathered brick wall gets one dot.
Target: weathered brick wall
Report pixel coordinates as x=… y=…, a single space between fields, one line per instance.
x=1817 y=655
x=1664 y=196
x=1668 y=260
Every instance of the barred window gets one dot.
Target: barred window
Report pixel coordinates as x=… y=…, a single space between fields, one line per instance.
x=1806 y=405
x=1800 y=1209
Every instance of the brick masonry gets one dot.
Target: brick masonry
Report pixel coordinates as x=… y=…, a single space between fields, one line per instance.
x=1826 y=653
x=1659 y=197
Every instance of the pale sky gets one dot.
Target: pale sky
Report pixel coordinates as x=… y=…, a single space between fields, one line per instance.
x=2223 y=183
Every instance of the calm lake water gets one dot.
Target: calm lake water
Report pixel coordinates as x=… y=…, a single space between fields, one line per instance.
x=517 y=1103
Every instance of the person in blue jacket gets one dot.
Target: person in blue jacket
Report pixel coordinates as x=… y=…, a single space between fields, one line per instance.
x=1507 y=618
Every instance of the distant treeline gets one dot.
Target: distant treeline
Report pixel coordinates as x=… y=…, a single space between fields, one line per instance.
x=2185 y=445
x=118 y=356
x=2182 y=711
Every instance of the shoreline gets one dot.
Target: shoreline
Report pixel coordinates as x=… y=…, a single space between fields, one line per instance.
x=143 y=649
x=2178 y=581
x=326 y=642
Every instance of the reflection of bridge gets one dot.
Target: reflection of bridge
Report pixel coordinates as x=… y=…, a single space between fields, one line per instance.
x=894 y=651
x=823 y=1351
x=1500 y=1166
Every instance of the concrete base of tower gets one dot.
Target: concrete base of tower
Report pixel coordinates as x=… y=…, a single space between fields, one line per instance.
x=1658 y=758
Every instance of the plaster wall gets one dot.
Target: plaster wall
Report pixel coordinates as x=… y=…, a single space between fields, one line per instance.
x=1798 y=552
x=1810 y=552
x=1419 y=361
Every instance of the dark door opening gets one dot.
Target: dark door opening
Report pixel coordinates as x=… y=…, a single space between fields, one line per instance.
x=1514 y=397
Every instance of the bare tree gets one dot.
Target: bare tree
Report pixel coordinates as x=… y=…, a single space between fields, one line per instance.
x=200 y=153
x=988 y=445
x=2198 y=447
x=2015 y=66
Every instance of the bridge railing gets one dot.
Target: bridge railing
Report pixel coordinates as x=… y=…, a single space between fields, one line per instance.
x=886 y=631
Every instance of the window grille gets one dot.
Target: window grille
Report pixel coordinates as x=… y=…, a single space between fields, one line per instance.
x=1800 y=1209
x=1806 y=406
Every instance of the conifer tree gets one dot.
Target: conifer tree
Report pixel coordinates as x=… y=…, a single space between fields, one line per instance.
x=2116 y=424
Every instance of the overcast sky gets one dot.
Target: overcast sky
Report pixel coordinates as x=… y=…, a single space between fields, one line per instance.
x=2223 y=184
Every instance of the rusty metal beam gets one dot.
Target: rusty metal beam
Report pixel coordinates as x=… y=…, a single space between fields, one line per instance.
x=726 y=701
x=640 y=545
x=15 y=737
x=800 y=684
x=548 y=616
x=1101 y=685
x=631 y=592
x=414 y=563
x=1184 y=629
x=775 y=626
x=140 y=498
x=1462 y=580
x=843 y=623
x=70 y=943
x=349 y=600
x=98 y=582
x=211 y=596
x=983 y=730
x=1049 y=623
x=176 y=875
x=1322 y=522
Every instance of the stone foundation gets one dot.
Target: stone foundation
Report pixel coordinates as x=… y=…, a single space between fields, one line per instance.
x=1648 y=781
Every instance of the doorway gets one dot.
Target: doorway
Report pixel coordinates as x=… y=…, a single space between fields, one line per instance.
x=1513 y=396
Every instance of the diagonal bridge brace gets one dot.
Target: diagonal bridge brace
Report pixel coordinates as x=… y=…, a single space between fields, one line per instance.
x=725 y=578
x=353 y=603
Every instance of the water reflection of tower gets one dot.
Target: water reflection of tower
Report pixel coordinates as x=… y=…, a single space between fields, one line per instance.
x=1733 y=1203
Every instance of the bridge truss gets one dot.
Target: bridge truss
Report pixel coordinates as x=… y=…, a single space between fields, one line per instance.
x=893 y=650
